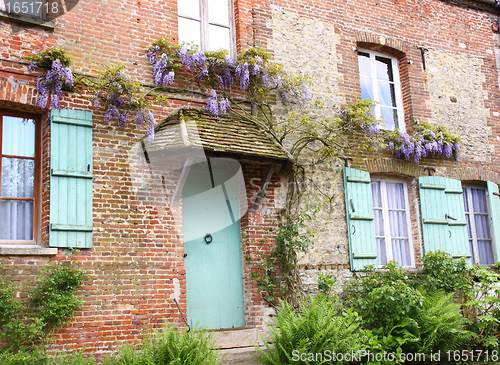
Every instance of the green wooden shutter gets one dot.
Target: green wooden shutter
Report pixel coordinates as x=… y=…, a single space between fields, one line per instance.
x=70 y=179
x=494 y=200
x=443 y=216
x=359 y=209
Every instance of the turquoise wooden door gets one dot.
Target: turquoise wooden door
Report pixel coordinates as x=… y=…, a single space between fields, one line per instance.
x=214 y=277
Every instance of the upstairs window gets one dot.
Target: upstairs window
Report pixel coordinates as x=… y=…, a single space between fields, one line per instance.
x=206 y=23
x=478 y=225
x=379 y=78
x=392 y=224
x=19 y=152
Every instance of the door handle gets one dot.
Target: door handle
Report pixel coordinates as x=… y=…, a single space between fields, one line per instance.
x=208 y=238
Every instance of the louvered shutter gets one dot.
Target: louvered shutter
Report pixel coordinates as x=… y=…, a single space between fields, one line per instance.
x=443 y=216
x=359 y=211
x=71 y=179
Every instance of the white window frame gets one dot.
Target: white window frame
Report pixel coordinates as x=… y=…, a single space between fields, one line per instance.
x=204 y=26
x=397 y=87
x=472 y=221
x=385 y=216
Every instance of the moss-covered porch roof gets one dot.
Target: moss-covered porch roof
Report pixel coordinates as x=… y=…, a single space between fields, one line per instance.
x=197 y=128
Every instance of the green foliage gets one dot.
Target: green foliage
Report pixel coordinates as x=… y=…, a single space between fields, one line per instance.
x=39 y=357
x=484 y=306
x=168 y=346
x=319 y=325
x=44 y=59
x=441 y=324
x=325 y=283
x=9 y=307
x=53 y=300
x=441 y=271
x=276 y=275
x=51 y=303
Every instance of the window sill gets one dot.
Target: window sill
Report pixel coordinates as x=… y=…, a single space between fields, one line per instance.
x=27 y=250
x=24 y=19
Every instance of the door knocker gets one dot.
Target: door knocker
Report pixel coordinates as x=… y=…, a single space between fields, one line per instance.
x=208 y=238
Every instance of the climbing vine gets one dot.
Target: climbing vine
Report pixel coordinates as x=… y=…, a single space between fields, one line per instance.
x=50 y=303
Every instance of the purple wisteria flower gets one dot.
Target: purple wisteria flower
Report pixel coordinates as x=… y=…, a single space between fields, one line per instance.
x=162 y=72
x=212 y=103
x=52 y=84
x=243 y=73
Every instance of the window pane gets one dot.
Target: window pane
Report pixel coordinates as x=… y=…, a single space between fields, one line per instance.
x=389 y=117
x=379 y=222
x=16 y=220
x=479 y=201
x=376 y=199
x=364 y=64
x=18 y=176
x=366 y=88
x=395 y=196
x=18 y=137
x=401 y=252
x=466 y=202
x=189 y=31
x=219 y=38
x=482 y=226
x=218 y=12
x=384 y=68
x=189 y=8
x=381 y=252
x=485 y=252
x=398 y=224
x=387 y=94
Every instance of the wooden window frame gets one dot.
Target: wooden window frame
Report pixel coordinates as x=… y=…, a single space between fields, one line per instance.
x=37 y=174
x=401 y=126
x=385 y=216
x=204 y=26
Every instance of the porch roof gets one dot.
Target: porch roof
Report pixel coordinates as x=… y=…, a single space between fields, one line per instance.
x=192 y=127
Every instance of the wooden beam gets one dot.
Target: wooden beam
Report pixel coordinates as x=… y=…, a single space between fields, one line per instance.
x=263 y=186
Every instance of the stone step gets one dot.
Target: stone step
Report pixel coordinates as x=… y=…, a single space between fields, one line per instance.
x=235 y=338
x=240 y=356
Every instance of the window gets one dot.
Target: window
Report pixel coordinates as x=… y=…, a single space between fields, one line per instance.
x=33 y=8
x=379 y=77
x=391 y=219
x=19 y=182
x=478 y=225
x=206 y=23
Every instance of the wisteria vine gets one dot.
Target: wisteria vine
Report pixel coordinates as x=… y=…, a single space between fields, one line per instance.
x=252 y=72
x=426 y=141
x=57 y=77
x=116 y=92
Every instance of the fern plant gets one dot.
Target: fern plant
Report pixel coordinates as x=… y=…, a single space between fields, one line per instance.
x=319 y=326
x=441 y=324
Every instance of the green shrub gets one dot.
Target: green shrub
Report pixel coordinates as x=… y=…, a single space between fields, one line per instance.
x=169 y=346
x=319 y=326
x=441 y=324
x=441 y=271
x=39 y=357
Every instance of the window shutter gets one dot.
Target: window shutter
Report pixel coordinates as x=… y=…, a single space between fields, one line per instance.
x=71 y=179
x=359 y=209
x=443 y=216
x=494 y=200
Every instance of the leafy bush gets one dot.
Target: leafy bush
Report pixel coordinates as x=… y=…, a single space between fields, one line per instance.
x=51 y=302
x=39 y=357
x=441 y=324
x=53 y=299
x=169 y=346
x=441 y=271
x=319 y=325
